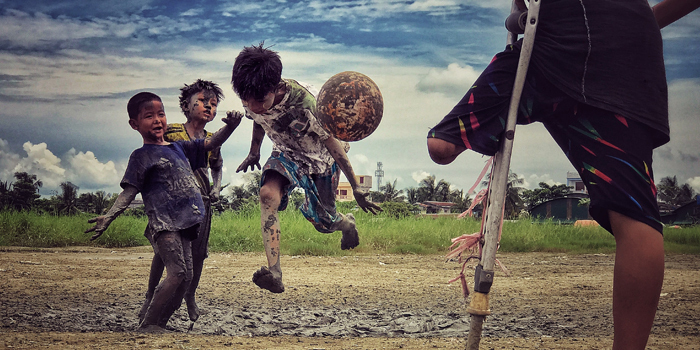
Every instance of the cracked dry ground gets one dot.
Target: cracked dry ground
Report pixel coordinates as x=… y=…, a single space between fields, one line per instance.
x=88 y=298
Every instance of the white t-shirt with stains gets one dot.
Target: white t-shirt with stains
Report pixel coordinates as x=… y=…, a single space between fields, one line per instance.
x=295 y=131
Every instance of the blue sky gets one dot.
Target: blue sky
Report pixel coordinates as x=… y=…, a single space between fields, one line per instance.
x=67 y=69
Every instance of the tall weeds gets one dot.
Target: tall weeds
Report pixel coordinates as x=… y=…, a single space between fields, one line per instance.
x=380 y=234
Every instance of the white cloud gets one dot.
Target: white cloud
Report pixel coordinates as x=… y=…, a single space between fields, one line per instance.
x=418 y=176
x=192 y=12
x=533 y=180
x=85 y=169
x=41 y=162
x=80 y=168
x=694 y=182
x=22 y=29
x=454 y=80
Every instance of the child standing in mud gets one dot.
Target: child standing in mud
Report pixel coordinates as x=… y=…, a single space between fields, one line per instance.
x=597 y=82
x=162 y=172
x=304 y=155
x=198 y=102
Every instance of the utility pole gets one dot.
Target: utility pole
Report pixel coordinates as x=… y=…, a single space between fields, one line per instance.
x=379 y=174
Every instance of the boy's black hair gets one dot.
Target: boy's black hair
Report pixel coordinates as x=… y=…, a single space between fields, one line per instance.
x=136 y=102
x=256 y=72
x=198 y=86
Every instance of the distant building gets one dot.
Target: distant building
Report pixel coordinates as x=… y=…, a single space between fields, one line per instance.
x=565 y=210
x=687 y=214
x=573 y=180
x=433 y=207
x=344 y=191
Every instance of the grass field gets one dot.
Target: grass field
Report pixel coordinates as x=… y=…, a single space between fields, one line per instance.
x=240 y=232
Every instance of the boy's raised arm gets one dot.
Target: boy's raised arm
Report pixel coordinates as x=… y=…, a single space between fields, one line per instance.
x=232 y=120
x=338 y=153
x=253 y=158
x=102 y=222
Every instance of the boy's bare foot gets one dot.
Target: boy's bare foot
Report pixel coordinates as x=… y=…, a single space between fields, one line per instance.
x=144 y=308
x=264 y=279
x=152 y=329
x=192 y=309
x=350 y=238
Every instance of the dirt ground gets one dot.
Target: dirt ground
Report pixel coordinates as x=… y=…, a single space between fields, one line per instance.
x=88 y=298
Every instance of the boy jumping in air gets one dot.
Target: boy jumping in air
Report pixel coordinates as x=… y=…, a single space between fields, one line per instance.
x=162 y=172
x=304 y=155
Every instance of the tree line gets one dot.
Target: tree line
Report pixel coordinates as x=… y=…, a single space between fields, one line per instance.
x=23 y=194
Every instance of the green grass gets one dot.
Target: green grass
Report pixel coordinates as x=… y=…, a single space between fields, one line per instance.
x=381 y=234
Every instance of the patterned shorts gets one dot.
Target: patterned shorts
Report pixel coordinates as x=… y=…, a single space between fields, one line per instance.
x=319 y=205
x=612 y=154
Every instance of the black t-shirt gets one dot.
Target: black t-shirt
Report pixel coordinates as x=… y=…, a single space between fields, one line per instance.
x=608 y=54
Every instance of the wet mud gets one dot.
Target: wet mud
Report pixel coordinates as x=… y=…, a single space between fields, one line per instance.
x=88 y=296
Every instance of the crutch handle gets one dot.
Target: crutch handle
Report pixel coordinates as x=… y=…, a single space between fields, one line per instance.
x=516 y=22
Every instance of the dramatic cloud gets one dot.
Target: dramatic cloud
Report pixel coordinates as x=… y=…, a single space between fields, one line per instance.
x=80 y=168
x=455 y=80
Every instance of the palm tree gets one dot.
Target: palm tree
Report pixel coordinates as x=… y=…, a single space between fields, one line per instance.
x=5 y=194
x=411 y=195
x=513 y=201
x=100 y=202
x=671 y=192
x=25 y=190
x=68 y=199
x=391 y=194
x=427 y=189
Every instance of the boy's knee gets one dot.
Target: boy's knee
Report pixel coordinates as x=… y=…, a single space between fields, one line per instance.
x=270 y=196
x=443 y=152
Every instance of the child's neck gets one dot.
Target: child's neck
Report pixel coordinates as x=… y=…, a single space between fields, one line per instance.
x=195 y=129
x=155 y=141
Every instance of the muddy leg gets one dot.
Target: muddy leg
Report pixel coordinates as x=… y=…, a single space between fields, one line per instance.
x=176 y=301
x=157 y=268
x=197 y=266
x=350 y=238
x=170 y=291
x=270 y=198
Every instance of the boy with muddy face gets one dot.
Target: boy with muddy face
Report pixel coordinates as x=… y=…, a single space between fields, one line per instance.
x=304 y=155
x=162 y=172
x=199 y=102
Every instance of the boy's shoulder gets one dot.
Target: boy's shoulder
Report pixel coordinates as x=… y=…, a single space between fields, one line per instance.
x=176 y=132
x=299 y=95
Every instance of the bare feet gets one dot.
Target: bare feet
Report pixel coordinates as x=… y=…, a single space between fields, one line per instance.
x=350 y=238
x=192 y=309
x=144 y=308
x=264 y=279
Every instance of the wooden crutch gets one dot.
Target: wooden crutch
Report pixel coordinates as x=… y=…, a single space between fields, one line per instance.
x=493 y=221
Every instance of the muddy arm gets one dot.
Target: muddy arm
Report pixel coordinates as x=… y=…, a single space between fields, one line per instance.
x=341 y=158
x=232 y=120
x=253 y=158
x=102 y=222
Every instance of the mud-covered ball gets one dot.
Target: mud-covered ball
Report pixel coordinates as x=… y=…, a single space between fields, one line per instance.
x=350 y=106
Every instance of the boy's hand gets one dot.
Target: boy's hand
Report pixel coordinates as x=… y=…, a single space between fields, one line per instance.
x=362 y=202
x=101 y=225
x=214 y=196
x=252 y=160
x=233 y=118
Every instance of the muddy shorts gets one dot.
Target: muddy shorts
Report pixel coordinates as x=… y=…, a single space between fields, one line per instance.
x=611 y=153
x=319 y=204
